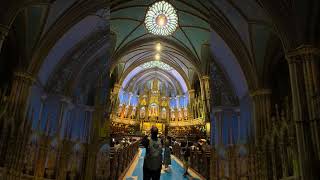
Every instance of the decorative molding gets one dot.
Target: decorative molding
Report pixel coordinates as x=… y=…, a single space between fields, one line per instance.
x=25 y=76
x=43 y=97
x=4 y=30
x=205 y=77
x=66 y=100
x=300 y=53
x=260 y=92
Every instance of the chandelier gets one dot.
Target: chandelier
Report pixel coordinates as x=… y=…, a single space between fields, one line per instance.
x=161 y=19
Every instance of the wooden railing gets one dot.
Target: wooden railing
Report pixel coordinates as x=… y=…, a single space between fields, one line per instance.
x=121 y=159
x=112 y=168
x=199 y=160
x=213 y=164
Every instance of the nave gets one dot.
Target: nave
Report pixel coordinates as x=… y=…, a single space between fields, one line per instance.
x=83 y=81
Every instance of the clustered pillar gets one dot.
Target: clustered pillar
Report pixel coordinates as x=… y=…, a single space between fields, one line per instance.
x=261 y=114
x=4 y=30
x=205 y=93
x=304 y=76
x=16 y=112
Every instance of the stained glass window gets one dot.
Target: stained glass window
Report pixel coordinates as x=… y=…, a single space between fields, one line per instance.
x=161 y=19
x=159 y=64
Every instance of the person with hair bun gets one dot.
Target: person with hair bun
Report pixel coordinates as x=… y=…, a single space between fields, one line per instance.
x=153 y=160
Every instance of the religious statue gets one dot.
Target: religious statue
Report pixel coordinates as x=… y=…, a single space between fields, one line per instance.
x=126 y=111
x=163 y=113
x=173 y=115
x=133 y=113
x=142 y=112
x=180 y=114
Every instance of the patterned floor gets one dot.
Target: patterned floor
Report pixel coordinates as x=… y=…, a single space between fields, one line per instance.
x=176 y=172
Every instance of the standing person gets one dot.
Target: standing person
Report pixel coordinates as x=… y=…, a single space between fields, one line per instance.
x=186 y=159
x=153 y=160
x=167 y=154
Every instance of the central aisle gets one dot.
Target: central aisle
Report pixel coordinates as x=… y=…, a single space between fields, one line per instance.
x=135 y=172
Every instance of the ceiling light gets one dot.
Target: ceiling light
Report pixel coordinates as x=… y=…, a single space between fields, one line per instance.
x=161 y=19
x=158 y=47
x=157 y=56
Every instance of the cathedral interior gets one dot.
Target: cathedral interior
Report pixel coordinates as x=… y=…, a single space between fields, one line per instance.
x=82 y=81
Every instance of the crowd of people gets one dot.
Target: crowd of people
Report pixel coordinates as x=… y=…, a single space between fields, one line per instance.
x=121 y=143
x=159 y=150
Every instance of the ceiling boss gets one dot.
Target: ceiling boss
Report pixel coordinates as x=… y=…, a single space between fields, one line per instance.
x=161 y=19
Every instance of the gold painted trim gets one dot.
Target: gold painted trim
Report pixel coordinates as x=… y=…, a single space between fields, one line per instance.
x=303 y=50
x=260 y=92
x=25 y=76
x=4 y=30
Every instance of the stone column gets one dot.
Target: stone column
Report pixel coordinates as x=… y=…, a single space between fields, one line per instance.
x=237 y=111
x=114 y=105
x=205 y=91
x=4 y=30
x=91 y=162
x=191 y=103
x=230 y=128
x=90 y=153
x=88 y=123
x=65 y=148
x=284 y=157
x=262 y=121
x=17 y=112
x=42 y=106
x=101 y=115
x=232 y=155
x=19 y=95
x=304 y=76
x=261 y=112
x=218 y=113
x=41 y=157
x=213 y=165
x=64 y=102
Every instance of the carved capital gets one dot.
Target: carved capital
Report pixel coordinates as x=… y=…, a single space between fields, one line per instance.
x=66 y=100
x=44 y=97
x=25 y=77
x=260 y=92
x=89 y=109
x=4 y=30
x=217 y=110
x=205 y=77
x=302 y=53
x=191 y=91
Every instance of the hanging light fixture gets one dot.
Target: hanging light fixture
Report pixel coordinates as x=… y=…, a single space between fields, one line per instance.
x=161 y=19
x=158 y=47
x=157 y=57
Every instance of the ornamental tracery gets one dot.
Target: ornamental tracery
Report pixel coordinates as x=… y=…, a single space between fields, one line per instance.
x=161 y=19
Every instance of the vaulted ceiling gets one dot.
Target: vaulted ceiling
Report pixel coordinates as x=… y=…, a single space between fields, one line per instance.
x=188 y=48
x=127 y=22
x=134 y=45
x=239 y=34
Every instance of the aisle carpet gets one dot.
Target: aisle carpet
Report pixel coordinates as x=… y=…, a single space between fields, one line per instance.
x=176 y=172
